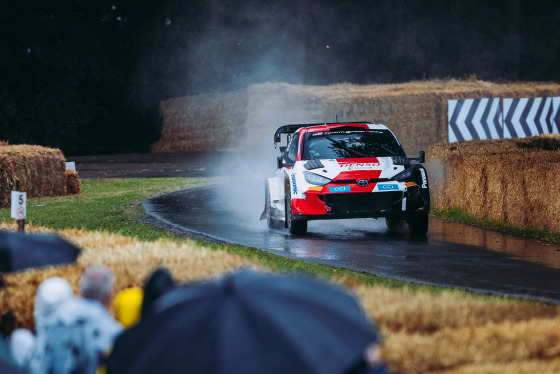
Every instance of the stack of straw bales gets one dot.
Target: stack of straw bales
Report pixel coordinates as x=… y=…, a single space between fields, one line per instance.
x=131 y=260
x=202 y=122
x=415 y=111
x=450 y=333
x=510 y=180
x=37 y=170
x=424 y=332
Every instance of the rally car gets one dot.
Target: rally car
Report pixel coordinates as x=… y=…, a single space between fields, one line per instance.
x=345 y=170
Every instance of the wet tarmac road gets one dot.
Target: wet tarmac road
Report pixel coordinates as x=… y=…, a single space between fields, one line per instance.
x=452 y=254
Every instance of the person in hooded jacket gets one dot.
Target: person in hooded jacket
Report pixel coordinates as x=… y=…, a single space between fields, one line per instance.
x=51 y=293
x=158 y=283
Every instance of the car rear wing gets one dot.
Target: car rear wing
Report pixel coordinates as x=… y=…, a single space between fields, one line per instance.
x=289 y=130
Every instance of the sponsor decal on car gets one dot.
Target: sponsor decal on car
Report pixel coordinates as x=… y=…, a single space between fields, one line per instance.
x=410 y=184
x=294 y=185
x=387 y=187
x=358 y=166
x=315 y=188
x=338 y=189
x=424 y=179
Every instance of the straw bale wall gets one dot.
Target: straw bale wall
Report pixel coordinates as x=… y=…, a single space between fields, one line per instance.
x=510 y=180
x=202 y=122
x=131 y=261
x=415 y=111
x=39 y=171
x=423 y=332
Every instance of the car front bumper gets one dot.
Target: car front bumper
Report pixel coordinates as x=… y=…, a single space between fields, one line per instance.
x=317 y=205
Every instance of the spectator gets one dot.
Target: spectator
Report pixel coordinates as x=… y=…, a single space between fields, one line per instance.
x=51 y=293
x=20 y=346
x=7 y=364
x=159 y=282
x=97 y=284
x=127 y=306
x=81 y=331
x=371 y=363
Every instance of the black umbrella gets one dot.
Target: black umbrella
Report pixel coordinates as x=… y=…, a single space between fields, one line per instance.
x=248 y=322
x=22 y=251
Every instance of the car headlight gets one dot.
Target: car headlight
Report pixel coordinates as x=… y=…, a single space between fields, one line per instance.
x=405 y=175
x=315 y=179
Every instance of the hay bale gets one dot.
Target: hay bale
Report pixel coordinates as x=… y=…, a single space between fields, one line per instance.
x=536 y=339
x=415 y=111
x=423 y=331
x=73 y=184
x=38 y=171
x=202 y=123
x=508 y=179
x=131 y=260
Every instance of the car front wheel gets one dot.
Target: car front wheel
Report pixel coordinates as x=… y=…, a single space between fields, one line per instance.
x=418 y=225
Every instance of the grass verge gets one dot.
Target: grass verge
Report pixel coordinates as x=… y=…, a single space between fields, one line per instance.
x=457 y=215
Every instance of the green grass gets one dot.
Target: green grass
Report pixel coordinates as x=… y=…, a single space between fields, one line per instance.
x=109 y=205
x=113 y=205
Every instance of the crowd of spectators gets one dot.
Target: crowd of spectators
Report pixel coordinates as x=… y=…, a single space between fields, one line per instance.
x=75 y=335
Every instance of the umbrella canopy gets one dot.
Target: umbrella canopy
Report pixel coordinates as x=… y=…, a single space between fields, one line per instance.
x=248 y=322
x=20 y=251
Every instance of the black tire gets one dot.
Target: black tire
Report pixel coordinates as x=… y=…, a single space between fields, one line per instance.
x=295 y=227
x=271 y=221
x=394 y=224
x=418 y=225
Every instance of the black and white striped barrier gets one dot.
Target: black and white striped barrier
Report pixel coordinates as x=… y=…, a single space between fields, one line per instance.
x=530 y=117
x=474 y=119
x=494 y=118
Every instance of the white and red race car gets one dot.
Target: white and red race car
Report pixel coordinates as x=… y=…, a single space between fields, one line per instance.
x=345 y=170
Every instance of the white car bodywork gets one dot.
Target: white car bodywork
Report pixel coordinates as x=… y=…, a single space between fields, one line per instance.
x=353 y=185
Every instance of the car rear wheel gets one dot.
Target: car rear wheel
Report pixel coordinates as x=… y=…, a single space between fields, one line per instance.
x=271 y=221
x=418 y=225
x=295 y=227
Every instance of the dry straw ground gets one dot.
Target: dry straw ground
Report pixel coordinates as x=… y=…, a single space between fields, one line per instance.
x=39 y=171
x=415 y=111
x=509 y=180
x=424 y=332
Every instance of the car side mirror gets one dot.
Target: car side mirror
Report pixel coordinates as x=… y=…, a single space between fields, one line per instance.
x=279 y=162
x=421 y=157
x=286 y=158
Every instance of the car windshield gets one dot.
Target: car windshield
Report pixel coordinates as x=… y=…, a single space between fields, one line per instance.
x=350 y=144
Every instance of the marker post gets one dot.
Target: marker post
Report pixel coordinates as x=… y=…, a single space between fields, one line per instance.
x=19 y=208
